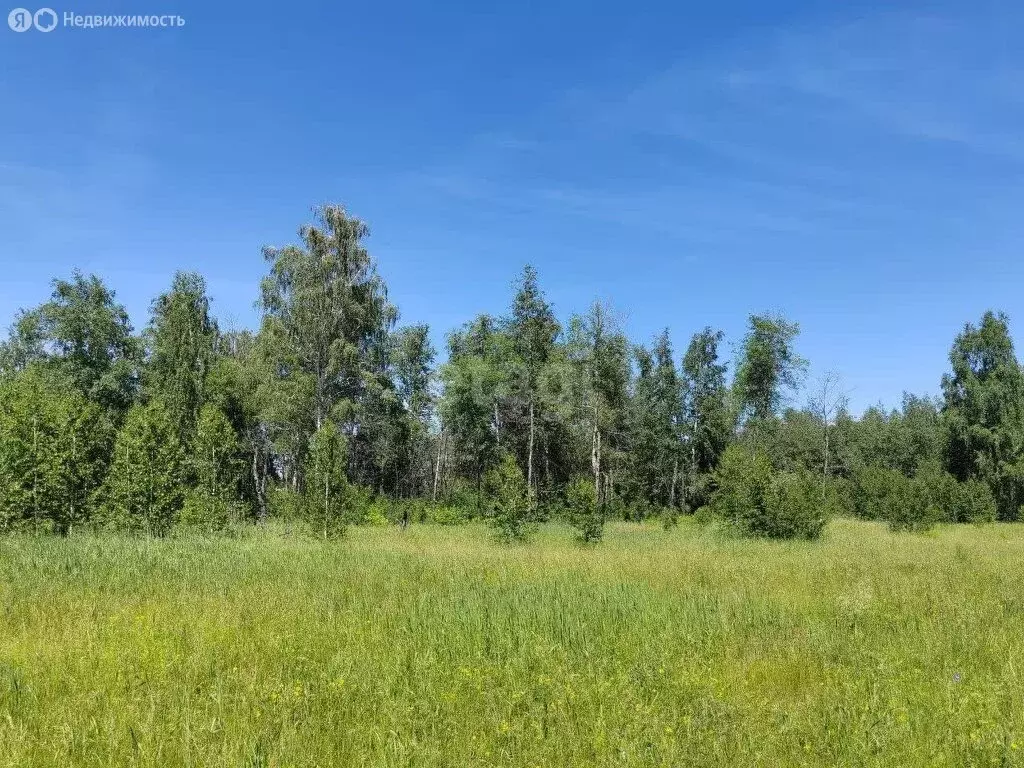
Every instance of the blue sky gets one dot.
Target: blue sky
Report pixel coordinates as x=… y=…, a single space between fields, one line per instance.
x=858 y=167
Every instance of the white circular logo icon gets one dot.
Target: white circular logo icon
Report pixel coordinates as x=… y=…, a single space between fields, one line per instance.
x=45 y=19
x=20 y=20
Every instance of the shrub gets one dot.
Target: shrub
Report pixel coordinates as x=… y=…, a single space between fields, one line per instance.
x=742 y=478
x=910 y=506
x=872 y=486
x=143 y=490
x=582 y=510
x=284 y=503
x=508 y=501
x=704 y=516
x=840 y=497
x=794 y=506
x=204 y=511
x=376 y=513
x=446 y=514
x=756 y=501
x=974 y=503
x=699 y=490
x=917 y=504
x=464 y=496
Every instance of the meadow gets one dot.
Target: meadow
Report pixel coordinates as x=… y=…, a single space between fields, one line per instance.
x=435 y=646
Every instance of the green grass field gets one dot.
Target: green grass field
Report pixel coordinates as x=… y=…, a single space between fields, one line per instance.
x=436 y=646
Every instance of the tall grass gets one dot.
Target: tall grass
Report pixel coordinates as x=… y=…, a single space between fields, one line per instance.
x=436 y=647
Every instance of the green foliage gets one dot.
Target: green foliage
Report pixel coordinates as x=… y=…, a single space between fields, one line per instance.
x=327 y=316
x=473 y=383
x=181 y=340
x=144 y=489
x=912 y=505
x=872 y=486
x=583 y=510
x=918 y=503
x=840 y=497
x=285 y=504
x=328 y=414
x=508 y=500
x=794 y=507
x=974 y=503
x=704 y=515
x=757 y=501
x=446 y=514
x=769 y=366
x=216 y=467
x=709 y=422
x=984 y=412
x=54 y=447
x=655 y=426
x=327 y=498
x=85 y=336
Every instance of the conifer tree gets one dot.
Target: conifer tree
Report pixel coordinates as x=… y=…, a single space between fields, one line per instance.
x=181 y=337
x=144 y=488
x=216 y=471
x=54 y=446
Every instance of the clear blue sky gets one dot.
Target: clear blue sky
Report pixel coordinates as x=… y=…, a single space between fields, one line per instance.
x=858 y=169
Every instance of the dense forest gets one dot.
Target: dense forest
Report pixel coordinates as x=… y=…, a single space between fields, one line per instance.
x=333 y=413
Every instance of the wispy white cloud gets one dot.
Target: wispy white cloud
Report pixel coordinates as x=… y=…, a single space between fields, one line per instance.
x=789 y=130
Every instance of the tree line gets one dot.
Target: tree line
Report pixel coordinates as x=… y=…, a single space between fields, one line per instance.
x=332 y=413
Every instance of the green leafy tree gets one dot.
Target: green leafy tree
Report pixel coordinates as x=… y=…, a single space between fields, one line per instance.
x=508 y=496
x=54 y=447
x=144 y=488
x=769 y=366
x=533 y=331
x=583 y=510
x=655 y=422
x=475 y=389
x=182 y=338
x=217 y=470
x=328 y=305
x=756 y=500
x=85 y=336
x=327 y=496
x=598 y=365
x=413 y=360
x=708 y=418
x=983 y=410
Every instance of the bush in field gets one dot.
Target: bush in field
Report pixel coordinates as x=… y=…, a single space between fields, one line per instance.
x=285 y=504
x=508 y=501
x=144 y=488
x=582 y=510
x=911 y=506
x=918 y=503
x=757 y=501
x=956 y=502
x=795 y=507
x=742 y=479
x=376 y=513
x=872 y=486
x=445 y=514
x=464 y=495
x=840 y=497
x=974 y=503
